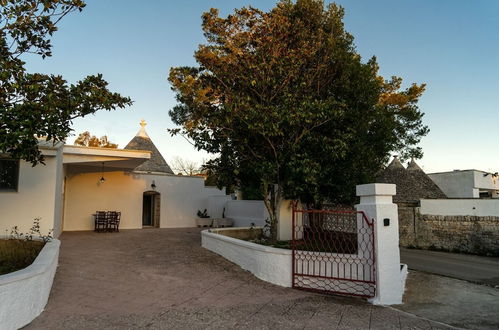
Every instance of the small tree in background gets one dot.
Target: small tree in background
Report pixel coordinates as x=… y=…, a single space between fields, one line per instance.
x=35 y=105
x=185 y=166
x=287 y=103
x=88 y=140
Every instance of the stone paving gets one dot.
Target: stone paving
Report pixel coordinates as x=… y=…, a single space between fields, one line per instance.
x=164 y=279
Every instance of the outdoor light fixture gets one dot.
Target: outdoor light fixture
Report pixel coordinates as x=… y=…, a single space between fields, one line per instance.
x=102 y=180
x=153 y=185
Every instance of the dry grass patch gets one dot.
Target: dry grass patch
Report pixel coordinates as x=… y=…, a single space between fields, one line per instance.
x=16 y=254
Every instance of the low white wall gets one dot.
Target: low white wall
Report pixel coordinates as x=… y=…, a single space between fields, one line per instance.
x=475 y=207
x=274 y=265
x=245 y=213
x=24 y=293
x=267 y=263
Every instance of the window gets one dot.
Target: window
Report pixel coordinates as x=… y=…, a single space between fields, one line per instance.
x=485 y=194
x=9 y=174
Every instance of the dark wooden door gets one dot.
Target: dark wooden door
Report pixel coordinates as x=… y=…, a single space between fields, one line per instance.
x=147 y=210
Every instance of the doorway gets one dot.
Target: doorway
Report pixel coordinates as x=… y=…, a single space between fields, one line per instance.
x=151 y=203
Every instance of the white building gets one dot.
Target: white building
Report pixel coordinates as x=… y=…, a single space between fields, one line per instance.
x=467 y=183
x=75 y=182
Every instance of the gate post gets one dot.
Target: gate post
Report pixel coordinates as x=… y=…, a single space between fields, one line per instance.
x=376 y=203
x=285 y=223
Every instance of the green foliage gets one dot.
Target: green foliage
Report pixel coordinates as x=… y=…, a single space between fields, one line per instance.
x=288 y=104
x=88 y=140
x=34 y=105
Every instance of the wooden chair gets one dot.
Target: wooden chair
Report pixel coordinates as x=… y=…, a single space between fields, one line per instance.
x=113 y=219
x=101 y=223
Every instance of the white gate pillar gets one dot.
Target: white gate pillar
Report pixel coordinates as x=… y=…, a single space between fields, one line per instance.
x=285 y=223
x=376 y=203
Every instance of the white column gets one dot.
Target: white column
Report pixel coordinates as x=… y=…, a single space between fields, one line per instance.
x=285 y=224
x=376 y=203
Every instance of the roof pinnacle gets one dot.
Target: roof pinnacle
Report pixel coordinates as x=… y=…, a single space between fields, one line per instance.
x=142 y=130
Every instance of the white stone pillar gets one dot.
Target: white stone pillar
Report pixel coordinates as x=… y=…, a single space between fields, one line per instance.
x=376 y=203
x=285 y=224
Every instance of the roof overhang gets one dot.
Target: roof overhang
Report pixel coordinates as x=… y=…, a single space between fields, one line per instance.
x=89 y=159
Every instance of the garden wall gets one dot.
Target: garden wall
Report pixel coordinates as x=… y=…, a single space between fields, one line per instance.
x=24 y=294
x=267 y=263
x=245 y=213
x=457 y=233
x=462 y=206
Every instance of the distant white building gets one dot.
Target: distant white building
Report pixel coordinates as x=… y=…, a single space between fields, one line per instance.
x=467 y=183
x=75 y=182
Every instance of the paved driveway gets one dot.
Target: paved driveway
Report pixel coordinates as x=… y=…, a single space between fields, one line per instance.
x=162 y=278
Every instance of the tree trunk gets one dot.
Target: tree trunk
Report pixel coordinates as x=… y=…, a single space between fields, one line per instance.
x=272 y=200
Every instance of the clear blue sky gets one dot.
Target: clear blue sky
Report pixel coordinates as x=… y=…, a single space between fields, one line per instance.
x=451 y=45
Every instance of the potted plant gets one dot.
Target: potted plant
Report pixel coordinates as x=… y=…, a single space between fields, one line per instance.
x=203 y=219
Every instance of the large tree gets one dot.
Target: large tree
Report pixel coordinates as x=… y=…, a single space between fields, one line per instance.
x=284 y=98
x=34 y=105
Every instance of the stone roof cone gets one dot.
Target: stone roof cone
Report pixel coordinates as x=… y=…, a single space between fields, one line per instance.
x=396 y=173
x=413 y=166
x=395 y=163
x=142 y=141
x=426 y=187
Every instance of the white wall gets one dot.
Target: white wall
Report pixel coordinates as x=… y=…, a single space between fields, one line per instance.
x=181 y=198
x=245 y=213
x=216 y=204
x=476 y=207
x=485 y=182
x=39 y=187
x=24 y=294
x=458 y=184
x=267 y=263
x=59 y=194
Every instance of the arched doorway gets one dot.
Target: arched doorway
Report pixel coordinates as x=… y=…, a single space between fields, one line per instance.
x=151 y=203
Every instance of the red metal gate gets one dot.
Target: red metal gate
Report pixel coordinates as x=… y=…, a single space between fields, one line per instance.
x=333 y=251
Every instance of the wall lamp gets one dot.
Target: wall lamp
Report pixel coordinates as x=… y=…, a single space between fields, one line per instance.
x=102 y=180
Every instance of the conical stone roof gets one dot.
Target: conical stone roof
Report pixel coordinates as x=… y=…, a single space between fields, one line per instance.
x=396 y=173
x=425 y=188
x=156 y=163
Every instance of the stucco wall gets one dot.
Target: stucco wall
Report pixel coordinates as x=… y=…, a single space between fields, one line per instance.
x=267 y=263
x=24 y=294
x=59 y=194
x=181 y=198
x=215 y=205
x=36 y=197
x=485 y=182
x=245 y=213
x=476 y=207
x=458 y=184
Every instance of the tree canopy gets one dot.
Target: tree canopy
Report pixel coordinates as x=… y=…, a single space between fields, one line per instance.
x=88 y=140
x=35 y=105
x=288 y=104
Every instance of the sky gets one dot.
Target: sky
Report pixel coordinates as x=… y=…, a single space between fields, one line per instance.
x=451 y=45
